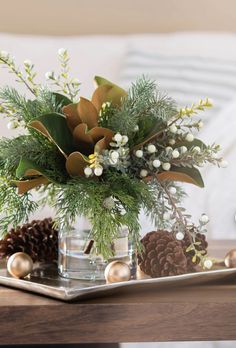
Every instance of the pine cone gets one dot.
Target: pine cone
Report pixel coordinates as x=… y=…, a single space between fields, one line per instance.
x=37 y=238
x=163 y=255
x=189 y=255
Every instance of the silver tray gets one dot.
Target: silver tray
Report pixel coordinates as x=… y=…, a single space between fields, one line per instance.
x=45 y=281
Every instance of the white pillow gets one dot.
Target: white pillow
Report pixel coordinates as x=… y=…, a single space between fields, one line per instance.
x=186 y=65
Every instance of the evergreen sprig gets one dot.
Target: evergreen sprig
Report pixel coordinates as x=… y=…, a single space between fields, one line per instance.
x=16 y=208
x=26 y=110
x=129 y=196
x=143 y=108
x=43 y=153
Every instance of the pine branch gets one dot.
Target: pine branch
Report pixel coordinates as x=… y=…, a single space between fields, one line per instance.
x=143 y=108
x=43 y=153
x=83 y=197
x=15 y=208
x=26 y=110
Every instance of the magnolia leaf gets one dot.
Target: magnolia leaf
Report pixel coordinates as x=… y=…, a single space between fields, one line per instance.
x=72 y=115
x=101 y=96
x=190 y=144
x=115 y=94
x=88 y=113
x=182 y=174
x=27 y=168
x=148 y=139
x=97 y=138
x=54 y=127
x=102 y=137
x=26 y=185
x=76 y=163
x=61 y=99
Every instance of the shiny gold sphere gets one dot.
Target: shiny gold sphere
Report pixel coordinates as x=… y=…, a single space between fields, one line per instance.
x=19 y=265
x=117 y=271
x=230 y=259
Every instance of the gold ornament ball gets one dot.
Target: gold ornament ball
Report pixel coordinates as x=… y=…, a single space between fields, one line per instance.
x=230 y=259
x=19 y=265
x=117 y=271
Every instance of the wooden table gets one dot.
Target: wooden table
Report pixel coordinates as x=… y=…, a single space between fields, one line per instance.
x=204 y=312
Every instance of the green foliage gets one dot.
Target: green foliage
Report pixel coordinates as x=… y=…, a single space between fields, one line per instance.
x=27 y=110
x=164 y=202
x=16 y=208
x=55 y=126
x=43 y=153
x=129 y=196
x=142 y=109
x=142 y=116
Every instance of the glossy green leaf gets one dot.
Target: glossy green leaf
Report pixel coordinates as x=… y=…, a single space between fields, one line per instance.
x=61 y=99
x=28 y=168
x=54 y=127
x=190 y=144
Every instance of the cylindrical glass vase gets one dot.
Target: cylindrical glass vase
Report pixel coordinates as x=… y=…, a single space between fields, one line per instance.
x=78 y=257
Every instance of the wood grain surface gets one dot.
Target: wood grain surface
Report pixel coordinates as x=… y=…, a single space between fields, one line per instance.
x=203 y=312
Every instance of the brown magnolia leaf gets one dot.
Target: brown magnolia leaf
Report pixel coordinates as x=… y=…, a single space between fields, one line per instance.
x=115 y=94
x=76 y=163
x=54 y=127
x=83 y=140
x=104 y=142
x=100 y=96
x=86 y=140
x=72 y=115
x=88 y=113
x=32 y=172
x=182 y=174
x=40 y=127
x=26 y=185
x=98 y=132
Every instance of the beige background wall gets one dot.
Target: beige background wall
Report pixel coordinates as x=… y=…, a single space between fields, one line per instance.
x=72 y=17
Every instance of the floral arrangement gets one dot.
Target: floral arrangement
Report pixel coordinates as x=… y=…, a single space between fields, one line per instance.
x=105 y=158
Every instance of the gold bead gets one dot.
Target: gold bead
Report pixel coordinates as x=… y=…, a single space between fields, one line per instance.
x=19 y=265
x=117 y=271
x=230 y=259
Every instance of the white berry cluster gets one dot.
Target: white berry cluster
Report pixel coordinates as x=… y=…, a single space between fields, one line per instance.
x=118 y=155
x=150 y=157
x=94 y=167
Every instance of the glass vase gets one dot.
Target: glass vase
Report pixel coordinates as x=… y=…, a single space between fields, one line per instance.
x=78 y=257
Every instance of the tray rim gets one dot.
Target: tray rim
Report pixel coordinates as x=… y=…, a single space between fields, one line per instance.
x=77 y=293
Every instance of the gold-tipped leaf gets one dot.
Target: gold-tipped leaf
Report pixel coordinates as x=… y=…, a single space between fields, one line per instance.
x=76 y=163
x=101 y=96
x=115 y=94
x=88 y=113
x=182 y=174
x=54 y=127
x=72 y=115
x=27 y=185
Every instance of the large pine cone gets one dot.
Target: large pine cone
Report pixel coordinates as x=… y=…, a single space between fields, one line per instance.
x=189 y=255
x=38 y=239
x=162 y=256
